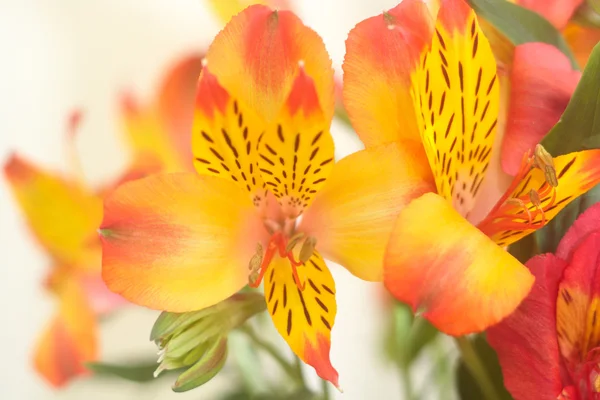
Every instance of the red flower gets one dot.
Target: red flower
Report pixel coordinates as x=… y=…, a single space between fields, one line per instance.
x=549 y=348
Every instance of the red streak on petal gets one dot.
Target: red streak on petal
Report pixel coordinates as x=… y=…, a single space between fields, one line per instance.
x=453 y=15
x=303 y=95
x=211 y=95
x=270 y=42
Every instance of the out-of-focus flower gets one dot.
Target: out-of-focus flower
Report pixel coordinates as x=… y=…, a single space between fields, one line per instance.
x=262 y=147
x=548 y=348
x=197 y=340
x=64 y=216
x=436 y=91
x=163 y=128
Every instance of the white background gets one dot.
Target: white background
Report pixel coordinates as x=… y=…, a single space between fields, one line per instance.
x=57 y=55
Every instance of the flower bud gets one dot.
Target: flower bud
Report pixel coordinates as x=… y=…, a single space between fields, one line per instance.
x=198 y=340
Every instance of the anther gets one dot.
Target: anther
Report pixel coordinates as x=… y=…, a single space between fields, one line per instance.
x=293 y=241
x=544 y=161
x=307 y=249
x=256 y=259
x=255 y=264
x=520 y=203
x=535 y=198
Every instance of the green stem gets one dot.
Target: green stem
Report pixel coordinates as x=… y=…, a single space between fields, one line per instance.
x=476 y=367
x=406 y=383
x=299 y=372
x=325 y=389
x=292 y=371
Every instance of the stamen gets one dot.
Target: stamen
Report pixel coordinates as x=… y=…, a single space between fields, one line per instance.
x=277 y=244
x=293 y=241
x=508 y=214
x=308 y=248
x=253 y=280
x=255 y=264
x=545 y=162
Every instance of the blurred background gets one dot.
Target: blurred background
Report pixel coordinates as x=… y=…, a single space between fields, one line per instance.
x=62 y=55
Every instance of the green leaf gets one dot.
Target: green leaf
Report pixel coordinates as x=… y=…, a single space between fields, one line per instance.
x=468 y=388
x=578 y=129
x=205 y=369
x=521 y=25
x=136 y=372
x=524 y=249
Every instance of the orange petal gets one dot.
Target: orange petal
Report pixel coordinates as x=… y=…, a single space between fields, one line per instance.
x=61 y=213
x=542 y=82
x=381 y=54
x=558 y=12
x=255 y=57
x=457 y=100
x=451 y=272
x=353 y=215
x=176 y=105
x=225 y=138
x=70 y=341
x=581 y=40
x=296 y=153
x=304 y=318
x=508 y=221
x=178 y=242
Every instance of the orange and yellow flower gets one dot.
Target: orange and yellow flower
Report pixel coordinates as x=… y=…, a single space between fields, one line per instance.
x=269 y=203
x=64 y=216
x=435 y=89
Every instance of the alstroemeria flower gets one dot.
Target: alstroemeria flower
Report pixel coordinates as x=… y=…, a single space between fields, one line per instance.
x=436 y=91
x=270 y=202
x=548 y=348
x=63 y=215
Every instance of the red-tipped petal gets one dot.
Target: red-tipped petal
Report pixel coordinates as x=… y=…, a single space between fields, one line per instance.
x=255 y=57
x=381 y=54
x=70 y=340
x=62 y=214
x=526 y=341
x=178 y=242
x=454 y=15
x=444 y=267
x=542 y=82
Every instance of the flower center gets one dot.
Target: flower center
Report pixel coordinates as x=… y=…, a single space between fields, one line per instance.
x=283 y=240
